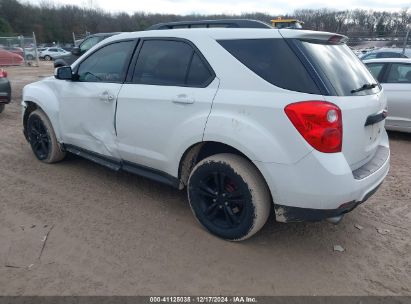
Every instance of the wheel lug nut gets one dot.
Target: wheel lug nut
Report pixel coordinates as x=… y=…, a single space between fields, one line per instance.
x=226 y=203
x=214 y=200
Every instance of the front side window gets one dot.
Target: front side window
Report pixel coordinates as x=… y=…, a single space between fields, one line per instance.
x=107 y=64
x=168 y=62
x=399 y=73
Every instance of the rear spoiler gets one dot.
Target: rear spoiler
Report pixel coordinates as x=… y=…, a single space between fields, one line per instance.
x=314 y=35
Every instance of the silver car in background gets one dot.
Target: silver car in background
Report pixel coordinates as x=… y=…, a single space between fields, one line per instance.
x=394 y=74
x=386 y=53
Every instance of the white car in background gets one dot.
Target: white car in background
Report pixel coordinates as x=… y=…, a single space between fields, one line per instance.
x=247 y=120
x=394 y=74
x=53 y=53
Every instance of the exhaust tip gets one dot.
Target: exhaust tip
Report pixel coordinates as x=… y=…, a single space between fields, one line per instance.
x=335 y=220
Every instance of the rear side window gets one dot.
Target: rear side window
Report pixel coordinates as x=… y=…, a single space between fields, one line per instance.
x=274 y=61
x=172 y=63
x=375 y=69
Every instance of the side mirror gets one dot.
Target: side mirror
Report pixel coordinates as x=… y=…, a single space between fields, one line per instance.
x=76 y=51
x=63 y=73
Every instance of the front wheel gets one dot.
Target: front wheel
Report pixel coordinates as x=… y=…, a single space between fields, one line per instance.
x=42 y=138
x=229 y=197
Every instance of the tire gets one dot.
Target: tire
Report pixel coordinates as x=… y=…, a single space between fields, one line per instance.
x=229 y=196
x=47 y=58
x=42 y=138
x=2 y=108
x=30 y=57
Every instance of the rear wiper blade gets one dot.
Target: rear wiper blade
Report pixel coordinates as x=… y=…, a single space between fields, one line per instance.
x=367 y=86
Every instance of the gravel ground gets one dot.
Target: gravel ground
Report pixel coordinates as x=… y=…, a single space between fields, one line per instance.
x=111 y=233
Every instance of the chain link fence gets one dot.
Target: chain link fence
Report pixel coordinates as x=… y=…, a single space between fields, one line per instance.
x=19 y=50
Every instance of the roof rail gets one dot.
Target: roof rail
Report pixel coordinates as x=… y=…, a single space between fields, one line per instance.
x=227 y=23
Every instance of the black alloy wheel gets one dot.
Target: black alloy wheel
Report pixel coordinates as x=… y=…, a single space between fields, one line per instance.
x=229 y=196
x=39 y=138
x=221 y=199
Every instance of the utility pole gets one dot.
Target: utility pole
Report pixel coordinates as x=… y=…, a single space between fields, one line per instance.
x=35 y=49
x=406 y=38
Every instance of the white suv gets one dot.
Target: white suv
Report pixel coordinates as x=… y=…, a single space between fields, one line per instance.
x=246 y=119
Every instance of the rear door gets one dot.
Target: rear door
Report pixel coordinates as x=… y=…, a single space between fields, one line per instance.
x=343 y=76
x=164 y=106
x=397 y=87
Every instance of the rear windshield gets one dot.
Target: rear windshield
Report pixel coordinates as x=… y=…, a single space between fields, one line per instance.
x=274 y=61
x=339 y=67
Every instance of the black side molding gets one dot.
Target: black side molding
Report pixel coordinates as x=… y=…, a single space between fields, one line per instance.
x=375 y=118
x=117 y=165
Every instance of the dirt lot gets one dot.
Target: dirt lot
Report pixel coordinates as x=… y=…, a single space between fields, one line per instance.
x=117 y=234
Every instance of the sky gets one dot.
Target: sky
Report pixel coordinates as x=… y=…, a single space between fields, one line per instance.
x=271 y=7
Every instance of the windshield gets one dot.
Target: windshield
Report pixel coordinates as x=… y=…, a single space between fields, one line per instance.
x=340 y=68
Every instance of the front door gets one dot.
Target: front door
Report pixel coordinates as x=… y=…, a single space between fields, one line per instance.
x=88 y=105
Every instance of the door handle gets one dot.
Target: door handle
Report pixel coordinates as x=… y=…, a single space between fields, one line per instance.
x=106 y=96
x=183 y=99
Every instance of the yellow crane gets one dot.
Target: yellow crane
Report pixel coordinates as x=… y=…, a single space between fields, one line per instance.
x=287 y=23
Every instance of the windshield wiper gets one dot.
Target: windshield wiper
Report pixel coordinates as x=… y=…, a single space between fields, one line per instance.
x=367 y=86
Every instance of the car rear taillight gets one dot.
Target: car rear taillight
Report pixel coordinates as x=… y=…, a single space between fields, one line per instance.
x=3 y=73
x=319 y=122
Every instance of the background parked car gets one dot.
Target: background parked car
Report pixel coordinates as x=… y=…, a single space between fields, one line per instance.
x=52 y=53
x=386 y=53
x=15 y=50
x=83 y=47
x=9 y=58
x=5 y=90
x=30 y=53
x=395 y=76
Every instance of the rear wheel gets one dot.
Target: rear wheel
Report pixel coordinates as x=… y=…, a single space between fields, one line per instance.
x=47 y=58
x=42 y=138
x=229 y=197
x=2 y=106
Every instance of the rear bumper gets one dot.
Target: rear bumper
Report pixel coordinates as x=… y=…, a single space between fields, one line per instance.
x=296 y=214
x=323 y=185
x=5 y=91
x=4 y=99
